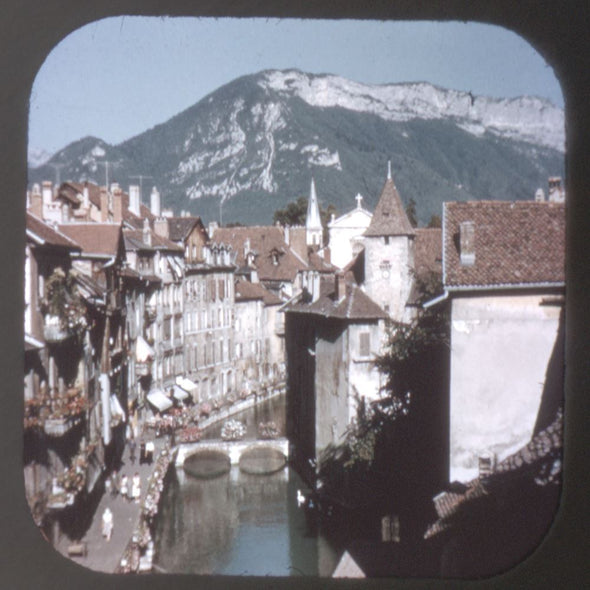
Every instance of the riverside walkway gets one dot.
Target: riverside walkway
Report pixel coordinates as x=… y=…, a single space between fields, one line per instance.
x=103 y=555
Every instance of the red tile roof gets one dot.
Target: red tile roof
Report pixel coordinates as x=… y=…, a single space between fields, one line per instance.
x=247 y=291
x=95 y=238
x=428 y=250
x=134 y=241
x=48 y=234
x=263 y=241
x=516 y=243
x=355 y=305
x=179 y=228
x=70 y=190
x=389 y=217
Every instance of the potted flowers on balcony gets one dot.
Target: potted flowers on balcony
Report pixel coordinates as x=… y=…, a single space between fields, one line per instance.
x=62 y=307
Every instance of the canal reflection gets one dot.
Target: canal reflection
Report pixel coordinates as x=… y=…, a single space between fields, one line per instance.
x=238 y=523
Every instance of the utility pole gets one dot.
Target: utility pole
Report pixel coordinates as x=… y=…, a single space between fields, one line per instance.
x=106 y=163
x=57 y=168
x=141 y=177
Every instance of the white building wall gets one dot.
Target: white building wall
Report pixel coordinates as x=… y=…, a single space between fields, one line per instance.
x=363 y=376
x=500 y=348
x=344 y=232
x=388 y=273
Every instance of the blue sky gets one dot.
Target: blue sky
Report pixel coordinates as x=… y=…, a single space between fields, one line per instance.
x=117 y=77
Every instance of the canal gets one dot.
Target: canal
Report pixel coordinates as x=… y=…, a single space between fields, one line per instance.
x=238 y=523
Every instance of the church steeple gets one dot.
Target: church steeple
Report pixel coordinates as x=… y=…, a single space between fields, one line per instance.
x=313 y=221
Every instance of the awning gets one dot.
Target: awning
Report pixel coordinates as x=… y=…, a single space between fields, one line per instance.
x=32 y=343
x=159 y=400
x=179 y=393
x=143 y=351
x=186 y=384
x=116 y=409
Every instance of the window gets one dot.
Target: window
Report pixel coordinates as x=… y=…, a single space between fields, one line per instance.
x=365 y=343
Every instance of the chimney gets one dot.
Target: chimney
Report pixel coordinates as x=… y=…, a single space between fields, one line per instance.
x=315 y=286
x=467 y=243
x=86 y=196
x=161 y=227
x=539 y=196
x=556 y=191
x=47 y=192
x=134 y=199
x=65 y=213
x=213 y=225
x=155 y=202
x=104 y=204
x=254 y=276
x=340 y=286
x=327 y=254
x=36 y=202
x=287 y=235
x=147 y=234
x=117 y=204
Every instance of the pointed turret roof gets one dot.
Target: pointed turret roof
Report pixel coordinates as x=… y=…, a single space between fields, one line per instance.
x=313 y=219
x=389 y=217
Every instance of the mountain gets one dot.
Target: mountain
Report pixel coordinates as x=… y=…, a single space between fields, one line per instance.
x=253 y=145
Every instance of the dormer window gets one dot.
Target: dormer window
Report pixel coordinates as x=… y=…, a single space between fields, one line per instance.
x=275 y=258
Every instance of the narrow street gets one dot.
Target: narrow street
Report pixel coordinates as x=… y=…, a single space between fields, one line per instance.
x=105 y=555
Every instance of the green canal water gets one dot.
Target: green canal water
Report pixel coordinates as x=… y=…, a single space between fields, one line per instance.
x=239 y=523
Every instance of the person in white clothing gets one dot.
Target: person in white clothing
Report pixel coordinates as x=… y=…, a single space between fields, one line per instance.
x=107 y=523
x=136 y=488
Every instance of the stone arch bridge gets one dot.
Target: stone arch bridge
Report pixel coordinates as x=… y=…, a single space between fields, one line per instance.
x=233 y=449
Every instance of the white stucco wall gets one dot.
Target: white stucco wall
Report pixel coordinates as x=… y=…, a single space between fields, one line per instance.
x=343 y=232
x=500 y=348
x=388 y=273
x=363 y=376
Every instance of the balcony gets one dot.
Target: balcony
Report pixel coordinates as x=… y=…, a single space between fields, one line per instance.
x=54 y=330
x=58 y=415
x=143 y=369
x=71 y=482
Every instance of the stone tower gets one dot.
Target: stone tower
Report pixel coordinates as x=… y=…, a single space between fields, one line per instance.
x=389 y=254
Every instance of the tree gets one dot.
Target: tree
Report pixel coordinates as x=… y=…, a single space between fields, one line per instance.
x=411 y=212
x=434 y=221
x=394 y=451
x=293 y=214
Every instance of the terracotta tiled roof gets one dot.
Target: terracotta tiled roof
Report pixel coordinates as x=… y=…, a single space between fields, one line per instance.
x=515 y=243
x=71 y=189
x=428 y=250
x=49 y=235
x=94 y=238
x=179 y=228
x=316 y=262
x=264 y=241
x=134 y=241
x=389 y=217
x=542 y=447
x=247 y=291
x=355 y=305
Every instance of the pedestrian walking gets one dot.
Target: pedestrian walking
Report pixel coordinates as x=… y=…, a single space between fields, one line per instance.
x=114 y=483
x=132 y=447
x=124 y=486
x=107 y=523
x=136 y=488
x=142 y=457
x=149 y=451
